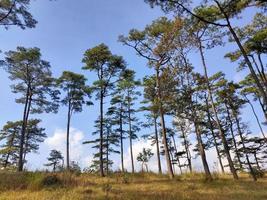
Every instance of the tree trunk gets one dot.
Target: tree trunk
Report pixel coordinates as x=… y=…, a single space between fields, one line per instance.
x=256 y=116
x=188 y=156
x=261 y=75
x=262 y=108
x=131 y=151
x=107 y=164
x=10 y=146
x=243 y=145
x=202 y=153
x=121 y=140
x=23 y=130
x=172 y=162
x=54 y=167
x=146 y=168
x=177 y=157
x=214 y=136
x=157 y=144
x=233 y=136
x=101 y=135
x=6 y=161
x=68 y=137
x=163 y=127
x=221 y=131
x=262 y=67
x=27 y=131
x=130 y=130
x=257 y=161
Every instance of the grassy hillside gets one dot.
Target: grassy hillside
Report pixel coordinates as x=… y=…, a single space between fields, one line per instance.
x=47 y=186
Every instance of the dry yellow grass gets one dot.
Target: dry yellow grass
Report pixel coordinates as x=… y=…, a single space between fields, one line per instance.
x=139 y=186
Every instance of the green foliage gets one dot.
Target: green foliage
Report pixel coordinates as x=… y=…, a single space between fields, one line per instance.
x=258 y=173
x=106 y=65
x=16 y=12
x=74 y=85
x=33 y=79
x=55 y=158
x=50 y=180
x=10 y=135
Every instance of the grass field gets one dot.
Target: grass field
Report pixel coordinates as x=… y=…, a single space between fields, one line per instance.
x=46 y=186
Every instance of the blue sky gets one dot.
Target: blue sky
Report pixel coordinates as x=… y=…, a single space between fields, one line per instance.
x=64 y=31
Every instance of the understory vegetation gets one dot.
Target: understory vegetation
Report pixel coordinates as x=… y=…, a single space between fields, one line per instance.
x=194 y=186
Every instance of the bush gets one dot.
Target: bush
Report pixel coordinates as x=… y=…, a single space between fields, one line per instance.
x=51 y=180
x=258 y=173
x=13 y=181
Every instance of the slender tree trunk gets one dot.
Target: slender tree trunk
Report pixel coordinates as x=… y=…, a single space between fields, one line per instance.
x=261 y=64
x=131 y=151
x=257 y=161
x=188 y=156
x=256 y=116
x=157 y=144
x=233 y=136
x=27 y=130
x=177 y=157
x=10 y=146
x=221 y=131
x=243 y=51
x=172 y=161
x=121 y=140
x=101 y=135
x=68 y=137
x=23 y=130
x=107 y=164
x=263 y=108
x=214 y=136
x=202 y=153
x=6 y=161
x=261 y=75
x=130 y=131
x=26 y=146
x=146 y=168
x=163 y=127
x=243 y=145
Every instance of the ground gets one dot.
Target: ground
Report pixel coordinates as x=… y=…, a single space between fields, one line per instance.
x=65 y=186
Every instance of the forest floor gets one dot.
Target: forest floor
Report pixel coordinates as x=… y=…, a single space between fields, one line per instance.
x=141 y=186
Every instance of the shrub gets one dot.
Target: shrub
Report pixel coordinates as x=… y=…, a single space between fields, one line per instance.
x=51 y=180
x=258 y=173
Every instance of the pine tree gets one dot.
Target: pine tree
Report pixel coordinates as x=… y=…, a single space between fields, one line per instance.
x=128 y=85
x=55 y=159
x=111 y=140
x=117 y=113
x=16 y=13
x=76 y=92
x=150 y=106
x=33 y=80
x=10 y=135
x=107 y=67
x=144 y=158
x=155 y=44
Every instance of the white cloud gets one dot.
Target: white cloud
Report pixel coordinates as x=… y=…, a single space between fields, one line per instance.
x=78 y=152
